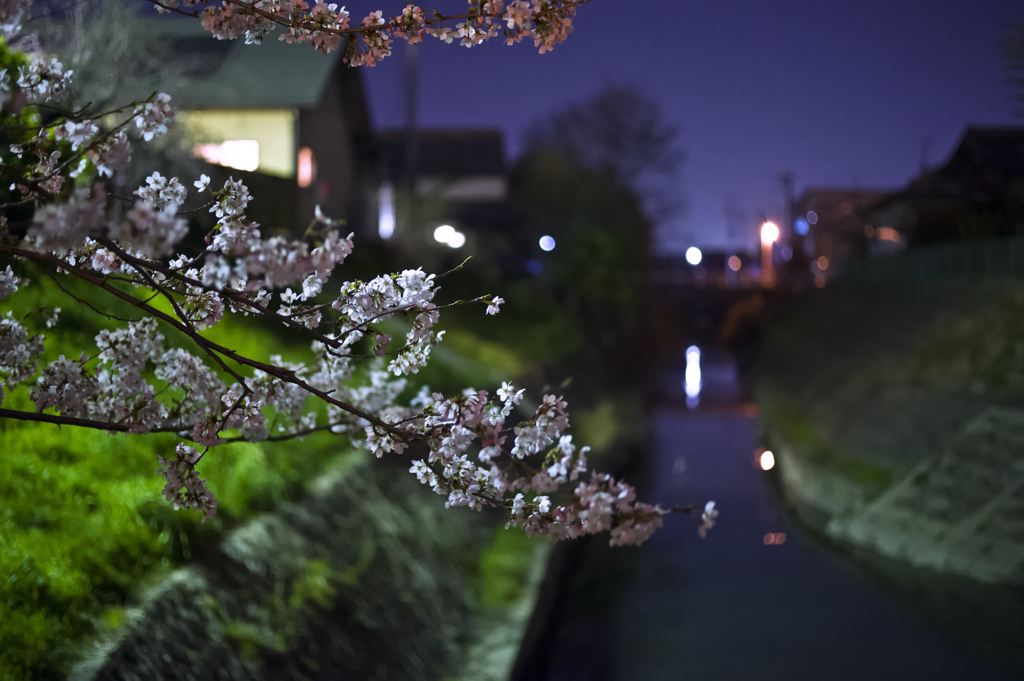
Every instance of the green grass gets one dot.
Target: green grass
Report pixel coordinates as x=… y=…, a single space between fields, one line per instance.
x=81 y=514
x=786 y=422
x=505 y=568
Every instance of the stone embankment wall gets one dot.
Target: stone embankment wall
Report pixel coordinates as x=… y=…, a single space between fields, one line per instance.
x=897 y=417
x=368 y=577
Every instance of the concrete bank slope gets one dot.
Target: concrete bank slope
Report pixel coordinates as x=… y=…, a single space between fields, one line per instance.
x=896 y=413
x=367 y=577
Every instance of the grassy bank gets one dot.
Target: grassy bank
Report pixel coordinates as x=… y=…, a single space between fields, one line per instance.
x=82 y=518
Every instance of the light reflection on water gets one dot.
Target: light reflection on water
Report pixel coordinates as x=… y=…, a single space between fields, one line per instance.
x=760 y=598
x=692 y=380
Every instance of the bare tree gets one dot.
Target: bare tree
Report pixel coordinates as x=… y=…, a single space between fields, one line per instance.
x=621 y=135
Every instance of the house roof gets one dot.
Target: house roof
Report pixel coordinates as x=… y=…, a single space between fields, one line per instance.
x=983 y=160
x=982 y=149
x=444 y=153
x=228 y=74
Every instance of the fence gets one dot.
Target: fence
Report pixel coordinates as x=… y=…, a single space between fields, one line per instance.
x=985 y=260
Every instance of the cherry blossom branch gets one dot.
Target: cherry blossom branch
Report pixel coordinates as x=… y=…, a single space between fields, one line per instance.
x=226 y=293
x=86 y=303
x=280 y=373
x=142 y=385
x=61 y=420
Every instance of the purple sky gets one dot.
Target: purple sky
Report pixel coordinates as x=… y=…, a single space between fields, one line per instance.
x=839 y=93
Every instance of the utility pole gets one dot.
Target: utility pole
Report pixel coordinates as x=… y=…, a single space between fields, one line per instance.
x=786 y=179
x=411 y=138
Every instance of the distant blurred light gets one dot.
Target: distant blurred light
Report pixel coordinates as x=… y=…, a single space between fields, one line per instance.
x=444 y=233
x=786 y=253
x=679 y=466
x=767 y=460
x=822 y=263
x=386 y=218
x=534 y=267
x=769 y=233
x=819 y=280
x=780 y=538
x=693 y=255
x=735 y=263
x=769 y=539
x=888 y=234
x=812 y=217
x=692 y=354
x=457 y=240
x=774 y=539
x=241 y=154
x=802 y=226
x=306 y=172
x=869 y=231
x=547 y=243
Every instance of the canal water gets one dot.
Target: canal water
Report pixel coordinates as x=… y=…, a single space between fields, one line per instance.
x=759 y=598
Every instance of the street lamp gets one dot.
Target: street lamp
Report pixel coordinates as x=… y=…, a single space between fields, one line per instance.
x=769 y=234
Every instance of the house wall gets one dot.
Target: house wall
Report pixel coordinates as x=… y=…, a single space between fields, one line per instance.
x=333 y=131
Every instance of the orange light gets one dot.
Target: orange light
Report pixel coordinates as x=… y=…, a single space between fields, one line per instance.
x=769 y=539
x=767 y=460
x=822 y=263
x=769 y=233
x=734 y=263
x=819 y=280
x=307 y=167
x=774 y=539
x=869 y=231
x=888 y=234
x=780 y=538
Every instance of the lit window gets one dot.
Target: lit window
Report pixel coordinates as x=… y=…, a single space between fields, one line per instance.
x=307 y=167
x=241 y=154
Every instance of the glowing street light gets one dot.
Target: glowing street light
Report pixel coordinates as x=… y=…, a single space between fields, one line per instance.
x=769 y=234
x=693 y=255
x=444 y=233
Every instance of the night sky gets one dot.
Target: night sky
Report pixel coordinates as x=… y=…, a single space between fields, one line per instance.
x=839 y=93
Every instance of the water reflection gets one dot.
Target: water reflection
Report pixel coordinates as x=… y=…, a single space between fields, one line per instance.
x=692 y=381
x=735 y=605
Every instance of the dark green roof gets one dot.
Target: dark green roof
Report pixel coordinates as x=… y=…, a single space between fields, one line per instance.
x=228 y=74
